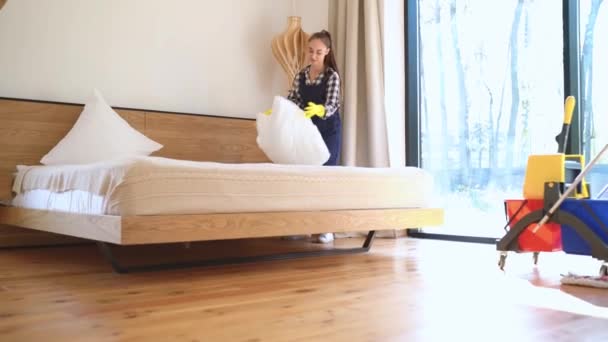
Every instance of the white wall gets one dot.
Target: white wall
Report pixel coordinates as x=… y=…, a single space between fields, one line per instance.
x=196 y=56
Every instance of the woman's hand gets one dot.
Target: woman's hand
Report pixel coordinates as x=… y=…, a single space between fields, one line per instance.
x=314 y=109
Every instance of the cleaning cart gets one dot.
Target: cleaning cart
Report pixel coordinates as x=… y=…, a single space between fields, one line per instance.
x=556 y=212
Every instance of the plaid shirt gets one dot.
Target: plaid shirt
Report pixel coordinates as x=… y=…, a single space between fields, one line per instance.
x=332 y=102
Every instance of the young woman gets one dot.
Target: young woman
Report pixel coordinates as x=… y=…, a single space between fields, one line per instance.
x=316 y=90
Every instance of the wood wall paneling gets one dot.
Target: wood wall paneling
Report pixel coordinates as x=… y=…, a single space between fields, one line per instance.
x=204 y=138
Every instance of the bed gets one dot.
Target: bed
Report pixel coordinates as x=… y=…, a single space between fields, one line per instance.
x=209 y=182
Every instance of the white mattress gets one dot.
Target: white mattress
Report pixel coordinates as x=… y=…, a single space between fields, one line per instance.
x=75 y=201
x=155 y=186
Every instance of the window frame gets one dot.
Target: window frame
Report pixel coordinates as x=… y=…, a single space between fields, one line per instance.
x=572 y=86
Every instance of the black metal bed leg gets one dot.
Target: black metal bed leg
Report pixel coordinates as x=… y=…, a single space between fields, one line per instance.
x=369 y=240
x=106 y=251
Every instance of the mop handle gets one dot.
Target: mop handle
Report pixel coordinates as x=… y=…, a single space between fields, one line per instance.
x=577 y=180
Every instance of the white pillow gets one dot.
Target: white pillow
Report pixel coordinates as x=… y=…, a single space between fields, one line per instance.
x=99 y=134
x=288 y=137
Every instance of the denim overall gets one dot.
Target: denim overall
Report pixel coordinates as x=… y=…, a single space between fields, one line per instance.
x=331 y=127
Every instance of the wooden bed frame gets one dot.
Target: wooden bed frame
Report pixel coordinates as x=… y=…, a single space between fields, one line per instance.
x=29 y=129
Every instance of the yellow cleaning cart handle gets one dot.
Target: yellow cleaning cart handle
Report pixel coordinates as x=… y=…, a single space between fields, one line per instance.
x=569 y=109
x=562 y=137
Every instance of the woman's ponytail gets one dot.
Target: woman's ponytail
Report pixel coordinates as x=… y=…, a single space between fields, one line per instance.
x=330 y=58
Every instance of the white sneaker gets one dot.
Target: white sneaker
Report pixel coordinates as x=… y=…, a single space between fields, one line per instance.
x=323 y=238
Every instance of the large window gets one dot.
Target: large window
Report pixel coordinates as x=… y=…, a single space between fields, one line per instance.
x=593 y=42
x=491 y=93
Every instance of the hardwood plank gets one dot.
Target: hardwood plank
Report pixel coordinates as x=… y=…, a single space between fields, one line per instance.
x=181 y=228
x=94 y=227
x=403 y=290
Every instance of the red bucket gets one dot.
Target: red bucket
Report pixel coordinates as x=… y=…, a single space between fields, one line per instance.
x=548 y=238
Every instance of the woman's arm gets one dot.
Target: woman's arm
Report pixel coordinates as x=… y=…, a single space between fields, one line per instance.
x=332 y=103
x=294 y=93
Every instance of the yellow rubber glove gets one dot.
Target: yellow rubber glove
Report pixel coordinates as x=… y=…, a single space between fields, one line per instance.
x=268 y=112
x=314 y=109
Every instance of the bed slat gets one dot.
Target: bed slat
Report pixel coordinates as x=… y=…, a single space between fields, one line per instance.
x=182 y=228
x=94 y=227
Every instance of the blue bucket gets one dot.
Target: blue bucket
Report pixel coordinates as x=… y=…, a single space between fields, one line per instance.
x=588 y=211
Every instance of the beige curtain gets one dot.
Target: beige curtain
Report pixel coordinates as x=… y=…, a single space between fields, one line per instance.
x=368 y=140
x=373 y=83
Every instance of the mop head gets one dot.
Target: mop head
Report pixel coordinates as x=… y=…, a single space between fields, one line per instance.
x=583 y=280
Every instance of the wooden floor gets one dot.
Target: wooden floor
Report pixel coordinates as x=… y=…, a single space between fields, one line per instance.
x=403 y=290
